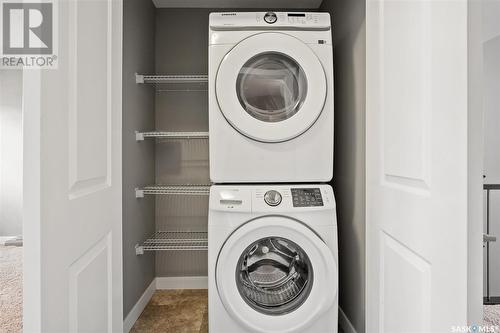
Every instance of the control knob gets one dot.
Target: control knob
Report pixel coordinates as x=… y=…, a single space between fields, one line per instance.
x=272 y=198
x=270 y=17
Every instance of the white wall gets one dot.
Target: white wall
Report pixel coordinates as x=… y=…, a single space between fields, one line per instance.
x=491 y=60
x=491 y=21
x=11 y=152
x=491 y=105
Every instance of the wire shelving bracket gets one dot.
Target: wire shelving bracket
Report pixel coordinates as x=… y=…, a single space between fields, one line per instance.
x=174 y=241
x=188 y=189
x=160 y=78
x=140 y=136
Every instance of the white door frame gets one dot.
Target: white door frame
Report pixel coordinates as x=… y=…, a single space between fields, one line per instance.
x=32 y=311
x=475 y=144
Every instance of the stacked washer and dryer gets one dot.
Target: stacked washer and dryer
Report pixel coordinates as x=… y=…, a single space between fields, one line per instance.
x=272 y=232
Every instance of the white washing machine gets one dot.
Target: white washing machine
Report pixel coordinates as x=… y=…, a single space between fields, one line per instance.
x=272 y=259
x=270 y=97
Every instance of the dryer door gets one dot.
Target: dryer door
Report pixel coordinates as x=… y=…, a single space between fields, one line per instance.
x=274 y=274
x=271 y=87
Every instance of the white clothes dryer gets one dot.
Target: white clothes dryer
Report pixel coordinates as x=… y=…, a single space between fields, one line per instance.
x=272 y=259
x=270 y=97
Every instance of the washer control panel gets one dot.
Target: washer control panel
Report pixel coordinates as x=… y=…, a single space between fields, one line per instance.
x=276 y=199
x=270 y=17
x=306 y=197
x=272 y=198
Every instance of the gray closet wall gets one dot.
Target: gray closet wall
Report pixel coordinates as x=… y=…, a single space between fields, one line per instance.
x=138 y=157
x=182 y=48
x=349 y=39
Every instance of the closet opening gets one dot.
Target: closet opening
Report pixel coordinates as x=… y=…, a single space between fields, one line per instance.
x=165 y=150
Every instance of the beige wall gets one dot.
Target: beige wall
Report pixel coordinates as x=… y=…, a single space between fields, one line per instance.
x=11 y=153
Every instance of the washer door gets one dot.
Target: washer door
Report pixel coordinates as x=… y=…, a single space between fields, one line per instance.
x=271 y=87
x=274 y=274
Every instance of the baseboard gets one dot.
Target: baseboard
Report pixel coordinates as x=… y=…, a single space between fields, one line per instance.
x=11 y=240
x=182 y=282
x=136 y=311
x=345 y=323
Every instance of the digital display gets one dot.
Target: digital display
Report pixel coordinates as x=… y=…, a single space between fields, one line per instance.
x=306 y=197
x=297 y=14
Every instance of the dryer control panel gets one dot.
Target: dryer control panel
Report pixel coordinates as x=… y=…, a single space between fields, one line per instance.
x=269 y=21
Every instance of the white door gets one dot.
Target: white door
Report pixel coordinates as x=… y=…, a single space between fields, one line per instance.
x=72 y=176
x=417 y=166
x=279 y=87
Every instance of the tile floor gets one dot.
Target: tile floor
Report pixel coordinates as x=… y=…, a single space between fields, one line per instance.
x=175 y=311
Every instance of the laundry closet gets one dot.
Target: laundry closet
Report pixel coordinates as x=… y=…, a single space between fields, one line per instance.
x=116 y=189
x=166 y=152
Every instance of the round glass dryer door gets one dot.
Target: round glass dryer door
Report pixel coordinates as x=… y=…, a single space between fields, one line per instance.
x=274 y=274
x=271 y=87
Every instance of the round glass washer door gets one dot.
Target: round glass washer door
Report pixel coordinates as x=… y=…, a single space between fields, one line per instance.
x=271 y=87
x=274 y=274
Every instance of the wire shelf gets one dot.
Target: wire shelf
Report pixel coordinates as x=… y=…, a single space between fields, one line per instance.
x=158 y=79
x=140 y=136
x=175 y=241
x=174 y=83
x=188 y=189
